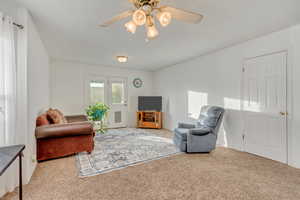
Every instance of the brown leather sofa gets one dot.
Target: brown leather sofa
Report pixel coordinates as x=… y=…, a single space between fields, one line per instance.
x=73 y=135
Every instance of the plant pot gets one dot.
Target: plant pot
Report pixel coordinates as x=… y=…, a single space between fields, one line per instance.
x=99 y=127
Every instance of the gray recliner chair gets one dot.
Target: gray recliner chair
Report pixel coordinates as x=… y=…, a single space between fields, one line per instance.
x=200 y=137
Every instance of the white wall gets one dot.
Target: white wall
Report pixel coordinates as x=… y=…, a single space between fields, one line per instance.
x=218 y=76
x=9 y=7
x=38 y=75
x=33 y=86
x=68 y=86
x=294 y=127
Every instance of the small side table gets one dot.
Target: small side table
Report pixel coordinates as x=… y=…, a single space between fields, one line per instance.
x=7 y=156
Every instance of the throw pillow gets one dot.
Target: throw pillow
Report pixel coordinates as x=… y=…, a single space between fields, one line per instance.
x=64 y=120
x=54 y=116
x=42 y=120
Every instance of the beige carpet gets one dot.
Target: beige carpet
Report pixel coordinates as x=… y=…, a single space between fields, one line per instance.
x=223 y=174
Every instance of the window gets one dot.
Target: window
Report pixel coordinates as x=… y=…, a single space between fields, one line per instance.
x=97 y=93
x=118 y=95
x=195 y=102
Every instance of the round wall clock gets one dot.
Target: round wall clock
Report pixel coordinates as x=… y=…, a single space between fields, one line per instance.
x=137 y=83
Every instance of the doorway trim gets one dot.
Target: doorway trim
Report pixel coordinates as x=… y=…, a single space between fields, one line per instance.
x=106 y=78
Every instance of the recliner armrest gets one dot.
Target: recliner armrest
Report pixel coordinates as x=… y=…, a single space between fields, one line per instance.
x=200 y=131
x=64 y=130
x=186 y=125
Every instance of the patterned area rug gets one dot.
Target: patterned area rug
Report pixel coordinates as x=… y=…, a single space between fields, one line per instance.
x=119 y=148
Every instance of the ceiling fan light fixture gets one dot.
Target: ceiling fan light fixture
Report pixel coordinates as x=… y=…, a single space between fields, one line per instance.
x=139 y=17
x=152 y=32
x=164 y=18
x=130 y=27
x=146 y=11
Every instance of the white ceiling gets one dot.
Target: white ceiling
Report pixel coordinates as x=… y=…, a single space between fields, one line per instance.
x=70 y=29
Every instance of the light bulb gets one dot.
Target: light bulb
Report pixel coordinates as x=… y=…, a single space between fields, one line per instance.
x=131 y=27
x=139 y=17
x=152 y=32
x=164 y=18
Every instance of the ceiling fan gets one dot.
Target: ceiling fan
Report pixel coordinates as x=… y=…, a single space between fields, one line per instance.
x=145 y=13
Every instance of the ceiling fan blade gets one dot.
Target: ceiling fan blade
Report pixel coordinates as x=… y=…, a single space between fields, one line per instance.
x=182 y=15
x=117 y=18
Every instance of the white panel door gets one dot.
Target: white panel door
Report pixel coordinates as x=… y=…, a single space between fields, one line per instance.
x=96 y=91
x=265 y=106
x=117 y=117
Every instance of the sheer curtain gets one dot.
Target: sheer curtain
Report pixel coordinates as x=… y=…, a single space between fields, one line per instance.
x=8 y=97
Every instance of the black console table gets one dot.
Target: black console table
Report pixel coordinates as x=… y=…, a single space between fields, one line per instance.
x=7 y=156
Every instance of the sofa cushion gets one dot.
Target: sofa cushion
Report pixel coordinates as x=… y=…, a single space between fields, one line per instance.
x=76 y=118
x=181 y=133
x=55 y=116
x=42 y=120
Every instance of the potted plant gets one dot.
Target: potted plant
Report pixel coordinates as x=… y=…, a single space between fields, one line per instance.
x=97 y=113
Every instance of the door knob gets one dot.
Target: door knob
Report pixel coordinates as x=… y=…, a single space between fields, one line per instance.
x=283 y=113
